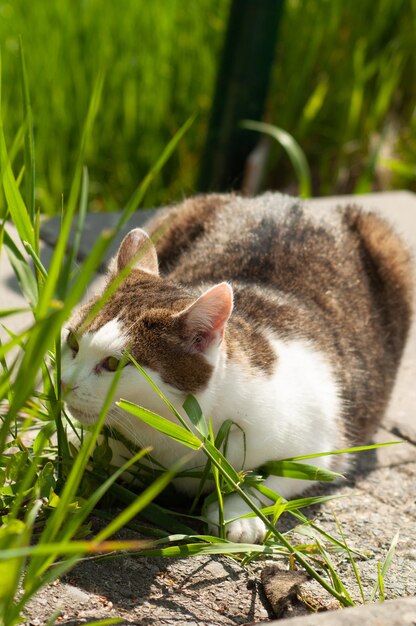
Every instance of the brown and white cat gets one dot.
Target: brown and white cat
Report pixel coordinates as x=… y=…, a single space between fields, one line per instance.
x=286 y=319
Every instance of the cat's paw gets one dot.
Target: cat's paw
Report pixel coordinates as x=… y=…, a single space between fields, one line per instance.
x=251 y=530
x=247 y=530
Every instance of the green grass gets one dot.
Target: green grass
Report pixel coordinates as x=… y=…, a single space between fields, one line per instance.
x=48 y=490
x=159 y=62
x=343 y=87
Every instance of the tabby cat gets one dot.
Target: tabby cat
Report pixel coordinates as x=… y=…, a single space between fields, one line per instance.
x=287 y=319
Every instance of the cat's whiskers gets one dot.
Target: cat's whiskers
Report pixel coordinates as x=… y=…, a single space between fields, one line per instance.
x=118 y=419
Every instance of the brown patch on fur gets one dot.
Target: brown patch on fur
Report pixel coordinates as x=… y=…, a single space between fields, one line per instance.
x=386 y=271
x=146 y=306
x=307 y=276
x=160 y=341
x=80 y=314
x=249 y=346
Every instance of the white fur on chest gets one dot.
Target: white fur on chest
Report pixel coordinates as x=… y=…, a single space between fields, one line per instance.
x=294 y=411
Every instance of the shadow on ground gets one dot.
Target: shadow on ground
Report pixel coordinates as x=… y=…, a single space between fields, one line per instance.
x=201 y=590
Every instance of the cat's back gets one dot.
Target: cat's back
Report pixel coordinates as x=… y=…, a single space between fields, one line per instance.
x=226 y=236
x=278 y=241
x=339 y=278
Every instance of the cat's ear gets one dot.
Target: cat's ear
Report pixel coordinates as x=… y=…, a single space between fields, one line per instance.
x=205 y=319
x=137 y=249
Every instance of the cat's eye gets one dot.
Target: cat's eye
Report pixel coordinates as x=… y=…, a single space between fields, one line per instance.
x=110 y=364
x=72 y=342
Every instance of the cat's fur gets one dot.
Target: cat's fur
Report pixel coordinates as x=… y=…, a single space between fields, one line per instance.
x=299 y=347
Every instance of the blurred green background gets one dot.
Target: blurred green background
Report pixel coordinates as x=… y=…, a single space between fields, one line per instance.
x=343 y=85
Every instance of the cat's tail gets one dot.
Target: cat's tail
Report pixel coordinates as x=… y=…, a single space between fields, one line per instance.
x=389 y=266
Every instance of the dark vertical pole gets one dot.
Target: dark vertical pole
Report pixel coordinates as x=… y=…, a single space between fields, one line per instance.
x=240 y=92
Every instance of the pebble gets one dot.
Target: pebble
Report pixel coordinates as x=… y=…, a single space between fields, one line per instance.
x=77 y=594
x=411 y=554
x=215 y=568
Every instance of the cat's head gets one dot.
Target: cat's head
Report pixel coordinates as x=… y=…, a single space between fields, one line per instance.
x=174 y=334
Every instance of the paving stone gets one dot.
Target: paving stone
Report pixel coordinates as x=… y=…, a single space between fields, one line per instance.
x=393 y=613
x=371 y=510
x=78 y=596
x=95 y=224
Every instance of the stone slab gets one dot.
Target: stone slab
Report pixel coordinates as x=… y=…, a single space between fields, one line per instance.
x=95 y=223
x=371 y=509
x=202 y=591
x=392 y=613
x=216 y=591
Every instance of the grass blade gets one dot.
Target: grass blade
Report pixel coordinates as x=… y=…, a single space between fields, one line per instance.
x=194 y=412
x=15 y=204
x=141 y=190
x=139 y=503
x=372 y=446
x=80 y=220
x=383 y=569
x=159 y=393
x=294 y=505
x=79 y=517
x=293 y=150
x=67 y=548
x=351 y=558
x=56 y=263
x=22 y=270
x=302 y=471
x=36 y=260
x=193 y=549
x=57 y=518
x=163 y=425
x=7 y=312
x=29 y=152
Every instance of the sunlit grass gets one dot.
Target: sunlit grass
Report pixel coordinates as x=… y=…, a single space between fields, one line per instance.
x=159 y=60
x=343 y=87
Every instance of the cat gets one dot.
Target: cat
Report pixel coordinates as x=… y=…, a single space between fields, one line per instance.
x=287 y=319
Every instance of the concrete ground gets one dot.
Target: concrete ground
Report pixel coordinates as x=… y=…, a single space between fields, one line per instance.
x=206 y=590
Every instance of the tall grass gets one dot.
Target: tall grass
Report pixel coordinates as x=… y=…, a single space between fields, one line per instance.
x=159 y=60
x=39 y=483
x=343 y=87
